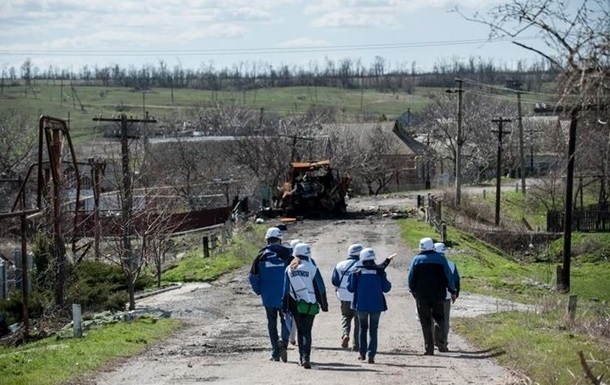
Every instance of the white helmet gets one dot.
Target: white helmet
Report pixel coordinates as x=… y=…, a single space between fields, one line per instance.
x=301 y=250
x=426 y=244
x=367 y=254
x=273 y=232
x=354 y=250
x=440 y=247
x=294 y=242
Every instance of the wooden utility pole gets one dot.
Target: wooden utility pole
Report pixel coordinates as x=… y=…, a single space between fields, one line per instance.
x=500 y=121
x=459 y=142
x=564 y=284
x=127 y=203
x=98 y=168
x=24 y=268
x=521 y=145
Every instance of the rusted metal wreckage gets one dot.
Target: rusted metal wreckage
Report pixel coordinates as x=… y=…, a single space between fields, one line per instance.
x=314 y=188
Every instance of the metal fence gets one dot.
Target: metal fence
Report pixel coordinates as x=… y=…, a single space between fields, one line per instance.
x=582 y=220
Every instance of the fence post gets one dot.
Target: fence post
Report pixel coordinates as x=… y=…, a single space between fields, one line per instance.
x=18 y=267
x=77 y=320
x=484 y=193
x=2 y=280
x=443 y=232
x=572 y=308
x=206 y=247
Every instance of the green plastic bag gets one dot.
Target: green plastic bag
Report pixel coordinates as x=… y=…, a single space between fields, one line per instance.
x=307 y=308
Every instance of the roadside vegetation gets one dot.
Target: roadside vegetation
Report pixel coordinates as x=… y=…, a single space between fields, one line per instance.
x=543 y=346
x=193 y=267
x=54 y=360
x=31 y=363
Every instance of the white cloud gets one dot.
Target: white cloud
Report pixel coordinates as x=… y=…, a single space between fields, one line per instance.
x=354 y=19
x=216 y=31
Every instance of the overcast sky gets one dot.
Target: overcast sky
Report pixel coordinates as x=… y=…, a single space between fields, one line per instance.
x=226 y=32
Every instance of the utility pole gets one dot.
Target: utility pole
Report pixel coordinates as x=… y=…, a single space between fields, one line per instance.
x=521 y=145
x=564 y=284
x=127 y=204
x=24 y=267
x=459 y=142
x=98 y=168
x=500 y=121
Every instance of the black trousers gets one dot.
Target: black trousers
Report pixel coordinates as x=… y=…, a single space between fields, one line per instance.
x=429 y=312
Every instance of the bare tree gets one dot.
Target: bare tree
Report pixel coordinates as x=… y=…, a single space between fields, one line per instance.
x=479 y=143
x=17 y=137
x=377 y=162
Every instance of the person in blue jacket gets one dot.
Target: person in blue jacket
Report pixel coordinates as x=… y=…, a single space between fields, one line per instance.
x=429 y=280
x=440 y=248
x=304 y=295
x=267 y=280
x=368 y=283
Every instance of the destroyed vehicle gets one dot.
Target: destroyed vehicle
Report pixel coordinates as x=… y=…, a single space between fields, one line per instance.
x=314 y=188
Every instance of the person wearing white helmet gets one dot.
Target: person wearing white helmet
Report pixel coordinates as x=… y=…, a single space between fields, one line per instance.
x=304 y=296
x=339 y=279
x=368 y=284
x=267 y=280
x=428 y=280
x=440 y=248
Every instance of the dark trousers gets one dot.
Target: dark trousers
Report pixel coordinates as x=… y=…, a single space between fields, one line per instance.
x=429 y=312
x=304 y=325
x=445 y=331
x=347 y=315
x=273 y=314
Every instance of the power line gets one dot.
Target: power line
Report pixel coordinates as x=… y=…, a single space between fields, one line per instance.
x=502 y=88
x=251 y=51
x=500 y=97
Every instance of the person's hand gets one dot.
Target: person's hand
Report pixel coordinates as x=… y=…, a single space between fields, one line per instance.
x=453 y=298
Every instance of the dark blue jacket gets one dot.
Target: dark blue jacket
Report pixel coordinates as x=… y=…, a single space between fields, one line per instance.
x=430 y=277
x=368 y=283
x=267 y=274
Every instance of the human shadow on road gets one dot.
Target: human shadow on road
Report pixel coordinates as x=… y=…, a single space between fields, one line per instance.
x=413 y=366
x=342 y=367
x=392 y=353
x=479 y=354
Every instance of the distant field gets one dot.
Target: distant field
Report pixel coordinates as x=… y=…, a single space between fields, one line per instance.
x=55 y=100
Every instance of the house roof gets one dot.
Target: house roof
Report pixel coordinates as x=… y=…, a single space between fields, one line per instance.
x=359 y=130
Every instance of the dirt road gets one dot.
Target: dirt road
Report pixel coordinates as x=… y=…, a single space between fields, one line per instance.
x=225 y=341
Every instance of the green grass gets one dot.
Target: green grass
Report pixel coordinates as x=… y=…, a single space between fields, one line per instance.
x=483 y=268
x=513 y=207
x=195 y=268
x=110 y=101
x=537 y=345
x=544 y=345
x=54 y=361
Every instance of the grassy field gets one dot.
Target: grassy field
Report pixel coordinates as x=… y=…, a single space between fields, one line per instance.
x=82 y=103
x=543 y=345
x=52 y=361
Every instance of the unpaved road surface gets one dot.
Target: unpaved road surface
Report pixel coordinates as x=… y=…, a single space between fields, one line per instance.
x=225 y=339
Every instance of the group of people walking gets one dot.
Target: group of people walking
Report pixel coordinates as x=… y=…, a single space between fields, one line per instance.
x=293 y=293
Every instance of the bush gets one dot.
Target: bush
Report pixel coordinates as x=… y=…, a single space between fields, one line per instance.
x=12 y=308
x=95 y=286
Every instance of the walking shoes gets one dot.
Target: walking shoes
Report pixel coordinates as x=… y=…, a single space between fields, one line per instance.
x=283 y=351
x=344 y=342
